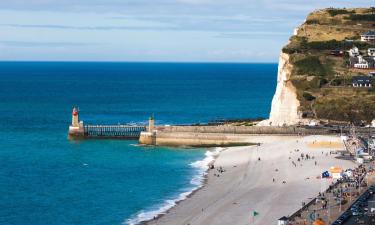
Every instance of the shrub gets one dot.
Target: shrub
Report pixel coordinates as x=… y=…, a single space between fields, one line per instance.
x=310 y=65
x=329 y=45
x=344 y=81
x=290 y=50
x=322 y=82
x=334 y=12
x=301 y=84
x=308 y=96
x=312 y=21
x=334 y=44
x=337 y=82
x=366 y=17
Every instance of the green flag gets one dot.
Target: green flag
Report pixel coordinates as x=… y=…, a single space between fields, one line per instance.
x=255 y=213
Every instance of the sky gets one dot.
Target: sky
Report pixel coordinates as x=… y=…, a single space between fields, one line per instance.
x=153 y=30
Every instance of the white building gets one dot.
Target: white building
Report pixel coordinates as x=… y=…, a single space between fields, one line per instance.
x=283 y=221
x=354 y=52
x=371 y=52
x=362 y=63
x=371 y=207
x=368 y=36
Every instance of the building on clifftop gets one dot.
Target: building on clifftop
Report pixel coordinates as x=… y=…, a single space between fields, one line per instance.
x=362 y=81
x=368 y=36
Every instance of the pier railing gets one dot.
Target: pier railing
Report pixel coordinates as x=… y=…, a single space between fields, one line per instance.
x=113 y=131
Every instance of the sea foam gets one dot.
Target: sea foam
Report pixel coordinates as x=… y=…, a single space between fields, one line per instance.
x=201 y=167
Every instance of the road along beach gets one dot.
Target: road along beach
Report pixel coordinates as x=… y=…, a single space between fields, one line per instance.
x=272 y=179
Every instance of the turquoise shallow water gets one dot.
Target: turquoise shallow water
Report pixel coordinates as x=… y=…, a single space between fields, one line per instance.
x=47 y=179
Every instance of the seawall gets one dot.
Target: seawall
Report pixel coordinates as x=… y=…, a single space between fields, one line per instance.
x=208 y=136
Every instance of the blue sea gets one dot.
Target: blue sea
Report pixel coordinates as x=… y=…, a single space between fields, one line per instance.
x=47 y=179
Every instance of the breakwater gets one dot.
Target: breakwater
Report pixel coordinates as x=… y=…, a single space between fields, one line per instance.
x=287 y=130
x=197 y=136
x=202 y=136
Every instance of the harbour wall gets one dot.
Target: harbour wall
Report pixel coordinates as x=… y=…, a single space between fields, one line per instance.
x=210 y=136
x=287 y=130
x=197 y=139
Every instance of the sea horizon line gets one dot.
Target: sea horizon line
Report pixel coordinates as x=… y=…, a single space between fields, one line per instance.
x=150 y=62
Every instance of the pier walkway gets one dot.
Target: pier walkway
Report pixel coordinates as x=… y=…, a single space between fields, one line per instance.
x=113 y=131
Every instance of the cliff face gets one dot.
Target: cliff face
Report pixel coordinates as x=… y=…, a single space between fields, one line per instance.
x=285 y=104
x=315 y=74
x=284 y=110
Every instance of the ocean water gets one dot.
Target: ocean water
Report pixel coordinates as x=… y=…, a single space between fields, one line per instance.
x=47 y=179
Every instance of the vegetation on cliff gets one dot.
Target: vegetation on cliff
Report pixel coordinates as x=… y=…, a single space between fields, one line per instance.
x=324 y=80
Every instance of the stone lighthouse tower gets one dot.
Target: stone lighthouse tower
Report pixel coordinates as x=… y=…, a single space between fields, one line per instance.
x=151 y=124
x=75 y=121
x=148 y=137
x=76 y=129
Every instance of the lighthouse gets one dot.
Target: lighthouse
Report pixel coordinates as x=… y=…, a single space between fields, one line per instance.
x=75 y=121
x=76 y=129
x=151 y=124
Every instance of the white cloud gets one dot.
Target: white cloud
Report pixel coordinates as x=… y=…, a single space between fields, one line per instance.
x=181 y=30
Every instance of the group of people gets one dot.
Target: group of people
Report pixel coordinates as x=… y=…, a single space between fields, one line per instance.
x=302 y=157
x=220 y=170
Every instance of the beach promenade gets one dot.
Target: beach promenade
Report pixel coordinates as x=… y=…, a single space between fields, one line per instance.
x=268 y=179
x=327 y=206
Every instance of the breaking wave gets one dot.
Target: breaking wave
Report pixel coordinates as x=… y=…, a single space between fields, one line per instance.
x=197 y=182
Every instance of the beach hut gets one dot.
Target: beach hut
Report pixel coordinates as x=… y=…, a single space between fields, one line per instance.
x=319 y=222
x=283 y=221
x=336 y=172
x=325 y=174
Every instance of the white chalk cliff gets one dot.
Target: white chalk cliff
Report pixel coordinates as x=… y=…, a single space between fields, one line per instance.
x=284 y=110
